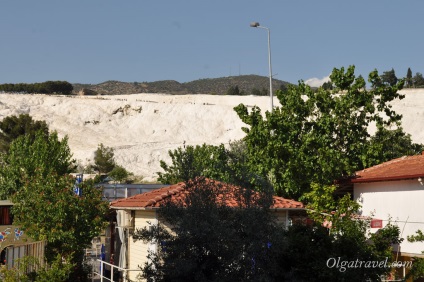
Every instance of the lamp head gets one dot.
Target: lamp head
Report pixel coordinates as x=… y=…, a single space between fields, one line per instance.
x=254 y=24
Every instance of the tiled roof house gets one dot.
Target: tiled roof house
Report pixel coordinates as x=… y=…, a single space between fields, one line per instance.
x=136 y=211
x=153 y=199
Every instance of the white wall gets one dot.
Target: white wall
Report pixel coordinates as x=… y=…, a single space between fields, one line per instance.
x=400 y=201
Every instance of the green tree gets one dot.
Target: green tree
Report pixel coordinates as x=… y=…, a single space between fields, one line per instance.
x=418 y=80
x=192 y=161
x=119 y=174
x=24 y=270
x=417 y=270
x=387 y=144
x=104 y=159
x=14 y=126
x=34 y=175
x=310 y=252
x=29 y=155
x=389 y=77
x=48 y=87
x=262 y=92
x=337 y=232
x=234 y=90
x=47 y=208
x=317 y=137
x=408 y=80
x=210 y=241
x=215 y=162
x=327 y=85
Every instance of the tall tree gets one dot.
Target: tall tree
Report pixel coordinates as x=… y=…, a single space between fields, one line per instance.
x=34 y=175
x=104 y=161
x=47 y=208
x=408 y=80
x=317 y=136
x=211 y=241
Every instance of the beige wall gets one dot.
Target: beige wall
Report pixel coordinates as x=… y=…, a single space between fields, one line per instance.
x=138 y=250
x=281 y=217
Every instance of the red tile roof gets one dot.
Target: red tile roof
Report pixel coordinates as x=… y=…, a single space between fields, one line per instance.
x=155 y=198
x=408 y=167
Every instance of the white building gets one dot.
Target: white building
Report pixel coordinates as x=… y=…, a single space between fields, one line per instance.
x=394 y=191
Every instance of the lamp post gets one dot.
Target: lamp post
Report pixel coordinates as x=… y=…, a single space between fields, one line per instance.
x=256 y=24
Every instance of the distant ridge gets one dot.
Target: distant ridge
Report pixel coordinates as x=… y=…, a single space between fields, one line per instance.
x=218 y=86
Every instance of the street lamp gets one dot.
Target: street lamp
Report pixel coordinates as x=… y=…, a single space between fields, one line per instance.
x=256 y=24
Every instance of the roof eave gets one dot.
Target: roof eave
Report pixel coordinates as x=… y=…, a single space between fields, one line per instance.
x=134 y=208
x=155 y=208
x=390 y=178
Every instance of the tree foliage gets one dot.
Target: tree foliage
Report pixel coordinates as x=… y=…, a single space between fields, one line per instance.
x=210 y=241
x=387 y=144
x=311 y=252
x=216 y=162
x=260 y=92
x=389 y=77
x=119 y=174
x=104 y=161
x=24 y=270
x=34 y=175
x=338 y=233
x=29 y=155
x=234 y=90
x=319 y=136
x=47 y=208
x=417 y=270
x=328 y=85
x=408 y=79
x=418 y=80
x=14 y=126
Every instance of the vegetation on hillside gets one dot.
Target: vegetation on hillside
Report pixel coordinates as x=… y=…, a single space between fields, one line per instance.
x=247 y=84
x=48 y=87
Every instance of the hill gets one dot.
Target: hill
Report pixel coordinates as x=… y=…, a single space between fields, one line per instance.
x=219 y=86
x=143 y=127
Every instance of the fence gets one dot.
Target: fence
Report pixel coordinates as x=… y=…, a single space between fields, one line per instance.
x=109 y=272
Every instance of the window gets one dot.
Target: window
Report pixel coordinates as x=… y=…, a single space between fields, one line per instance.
x=5 y=216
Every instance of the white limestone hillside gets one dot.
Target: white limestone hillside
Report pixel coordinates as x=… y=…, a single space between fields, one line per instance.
x=143 y=127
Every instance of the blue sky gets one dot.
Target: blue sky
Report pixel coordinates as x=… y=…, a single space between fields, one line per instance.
x=99 y=40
